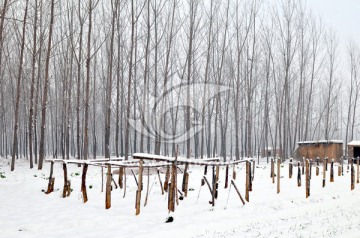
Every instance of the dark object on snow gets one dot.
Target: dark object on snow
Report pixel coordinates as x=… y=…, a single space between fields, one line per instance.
x=169 y=219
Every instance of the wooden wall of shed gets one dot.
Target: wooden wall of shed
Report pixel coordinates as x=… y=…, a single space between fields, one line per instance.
x=350 y=151
x=321 y=150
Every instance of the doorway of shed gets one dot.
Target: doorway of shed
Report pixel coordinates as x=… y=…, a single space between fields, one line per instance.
x=356 y=152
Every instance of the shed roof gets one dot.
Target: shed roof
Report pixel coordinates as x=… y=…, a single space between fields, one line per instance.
x=354 y=143
x=322 y=142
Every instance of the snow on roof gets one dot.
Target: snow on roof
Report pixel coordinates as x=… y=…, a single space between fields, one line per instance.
x=354 y=142
x=321 y=142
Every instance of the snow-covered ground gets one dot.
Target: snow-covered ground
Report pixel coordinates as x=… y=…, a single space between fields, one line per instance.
x=25 y=211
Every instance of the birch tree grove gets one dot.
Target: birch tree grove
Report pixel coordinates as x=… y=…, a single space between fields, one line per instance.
x=217 y=78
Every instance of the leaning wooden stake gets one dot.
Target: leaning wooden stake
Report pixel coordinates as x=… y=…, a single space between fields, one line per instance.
x=234 y=173
x=247 y=180
x=332 y=171
x=307 y=179
x=299 y=175
x=324 y=172
x=278 y=175
x=352 y=175
x=290 y=169
x=138 y=192
x=83 y=183
x=161 y=185
x=51 y=183
x=147 y=186
x=108 y=188
x=238 y=192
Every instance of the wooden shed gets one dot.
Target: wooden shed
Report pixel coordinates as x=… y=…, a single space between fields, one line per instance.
x=354 y=149
x=332 y=149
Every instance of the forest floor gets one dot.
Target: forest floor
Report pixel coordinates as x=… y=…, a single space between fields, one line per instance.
x=25 y=211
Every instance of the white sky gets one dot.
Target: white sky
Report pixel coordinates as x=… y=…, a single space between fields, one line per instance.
x=341 y=15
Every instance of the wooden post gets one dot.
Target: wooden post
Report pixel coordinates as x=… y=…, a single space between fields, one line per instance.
x=324 y=172
x=299 y=175
x=213 y=186
x=65 y=181
x=147 y=186
x=138 y=192
x=290 y=169
x=121 y=177
x=234 y=173
x=161 y=185
x=278 y=176
x=310 y=168
x=186 y=184
x=238 y=192
x=226 y=176
x=83 y=183
x=272 y=175
x=51 y=183
x=253 y=173
x=108 y=188
x=332 y=172
x=217 y=173
x=68 y=188
x=317 y=166
x=357 y=170
x=250 y=178
x=307 y=179
x=303 y=166
x=247 y=180
x=339 y=170
x=326 y=163
x=172 y=187
x=352 y=175
x=102 y=178
x=167 y=177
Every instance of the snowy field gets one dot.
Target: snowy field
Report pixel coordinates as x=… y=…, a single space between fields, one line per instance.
x=25 y=211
